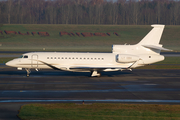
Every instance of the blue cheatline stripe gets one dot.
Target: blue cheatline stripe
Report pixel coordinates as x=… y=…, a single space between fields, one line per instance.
x=108 y=100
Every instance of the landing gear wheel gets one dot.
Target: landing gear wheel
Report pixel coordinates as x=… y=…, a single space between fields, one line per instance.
x=95 y=74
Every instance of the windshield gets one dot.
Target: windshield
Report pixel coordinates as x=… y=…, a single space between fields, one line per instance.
x=21 y=56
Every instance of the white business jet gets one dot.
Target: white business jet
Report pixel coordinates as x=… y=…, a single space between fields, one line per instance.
x=123 y=57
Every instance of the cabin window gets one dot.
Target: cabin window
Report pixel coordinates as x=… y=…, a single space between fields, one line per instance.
x=69 y=58
x=72 y=58
x=62 y=58
x=47 y=57
x=58 y=57
x=102 y=58
x=51 y=57
x=66 y=58
x=54 y=57
x=25 y=56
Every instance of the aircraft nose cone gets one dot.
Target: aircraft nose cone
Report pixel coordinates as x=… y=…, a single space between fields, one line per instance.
x=9 y=63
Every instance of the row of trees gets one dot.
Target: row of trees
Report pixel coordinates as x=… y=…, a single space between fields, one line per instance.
x=128 y=12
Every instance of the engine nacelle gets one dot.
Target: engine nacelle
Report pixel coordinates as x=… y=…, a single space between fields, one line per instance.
x=125 y=58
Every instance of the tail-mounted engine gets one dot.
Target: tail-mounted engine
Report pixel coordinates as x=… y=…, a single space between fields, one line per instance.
x=125 y=58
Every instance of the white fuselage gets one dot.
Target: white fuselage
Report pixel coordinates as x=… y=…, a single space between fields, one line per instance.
x=64 y=61
x=70 y=61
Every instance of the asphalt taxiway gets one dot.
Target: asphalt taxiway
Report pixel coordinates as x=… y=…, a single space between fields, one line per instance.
x=138 y=86
x=60 y=86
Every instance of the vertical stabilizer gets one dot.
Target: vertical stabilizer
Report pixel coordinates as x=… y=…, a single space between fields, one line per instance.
x=154 y=36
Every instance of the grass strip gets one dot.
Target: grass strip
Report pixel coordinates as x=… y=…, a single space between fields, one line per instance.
x=4 y=60
x=130 y=34
x=170 y=60
x=99 y=111
x=168 y=63
x=160 y=67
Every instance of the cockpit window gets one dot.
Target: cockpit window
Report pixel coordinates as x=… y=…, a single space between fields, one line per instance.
x=21 y=56
x=25 y=56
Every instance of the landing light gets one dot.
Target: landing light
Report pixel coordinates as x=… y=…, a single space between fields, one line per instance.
x=19 y=68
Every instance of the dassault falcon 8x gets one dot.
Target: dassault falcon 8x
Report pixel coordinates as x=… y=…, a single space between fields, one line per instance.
x=123 y=57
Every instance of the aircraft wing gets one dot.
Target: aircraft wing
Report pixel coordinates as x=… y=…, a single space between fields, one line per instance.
x=89 y=67
x=95 y=68
x=101 y=68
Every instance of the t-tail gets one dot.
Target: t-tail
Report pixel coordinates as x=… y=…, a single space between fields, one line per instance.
x=148 y=45
x=152 y=39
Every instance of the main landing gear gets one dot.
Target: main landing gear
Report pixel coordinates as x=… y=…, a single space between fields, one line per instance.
x=95 y=74
x=28 y=71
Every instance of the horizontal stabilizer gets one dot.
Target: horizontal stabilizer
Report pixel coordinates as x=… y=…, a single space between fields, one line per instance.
x=156 y=47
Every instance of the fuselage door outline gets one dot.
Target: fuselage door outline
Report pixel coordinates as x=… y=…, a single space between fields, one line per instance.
x=34 y=61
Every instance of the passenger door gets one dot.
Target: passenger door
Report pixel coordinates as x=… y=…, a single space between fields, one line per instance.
x=34 y=61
